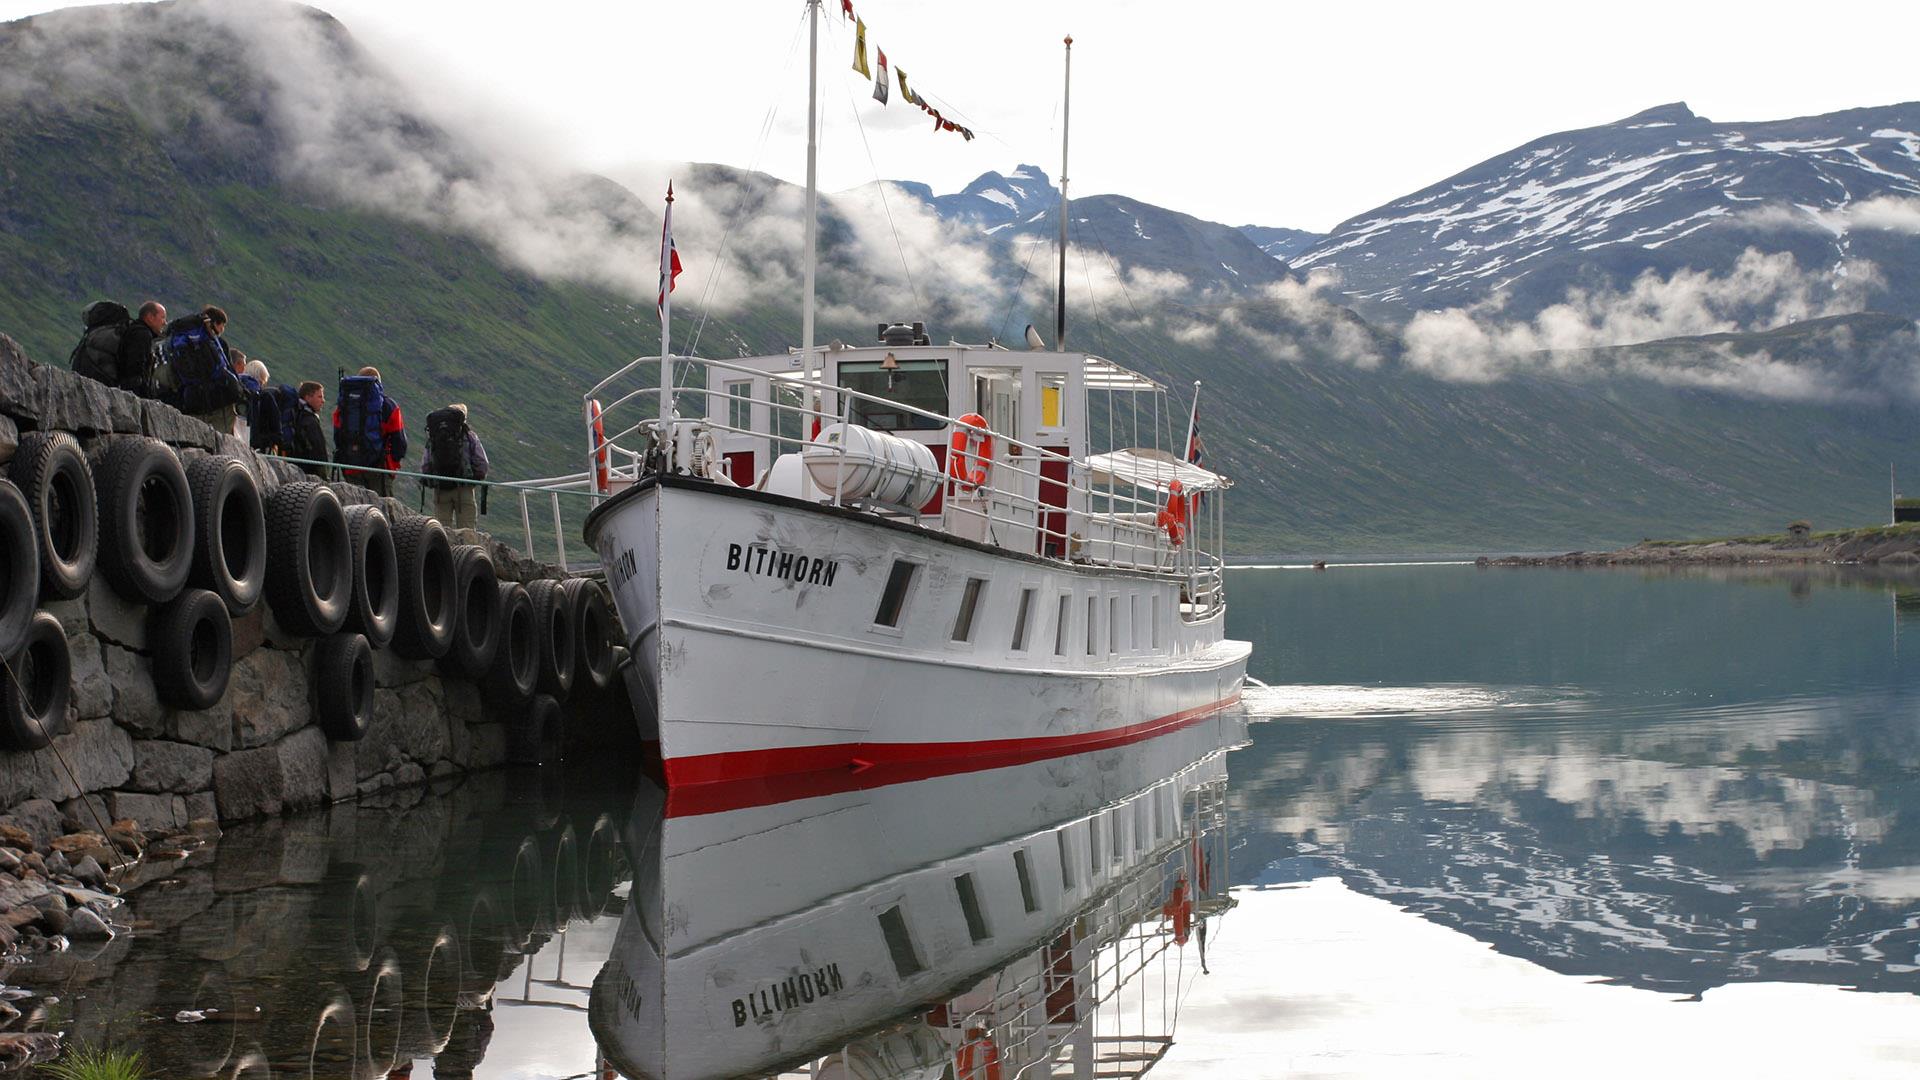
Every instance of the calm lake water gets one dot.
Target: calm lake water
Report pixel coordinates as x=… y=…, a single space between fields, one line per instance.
x=1490 y=823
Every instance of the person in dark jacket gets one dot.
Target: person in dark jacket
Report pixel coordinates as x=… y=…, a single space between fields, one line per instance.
x=454 y=451
x=137 y=358
x=309 y=437
x=393 y=443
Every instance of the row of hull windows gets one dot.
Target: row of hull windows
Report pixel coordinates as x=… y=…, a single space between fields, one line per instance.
x=1155 y=814
x=1120 y=618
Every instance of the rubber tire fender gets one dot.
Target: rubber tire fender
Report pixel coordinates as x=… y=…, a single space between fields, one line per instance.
x=476 y=623
x=35 y=686
x=427 y=601
x=343 y=686
x=146 y=520
x=553 y=629
x=592 y=633
x=20 y=575
x=192 y=650
x=229 y=532
x=373 y=610
x=308 y=573
x=515 y=673
x=58 y=484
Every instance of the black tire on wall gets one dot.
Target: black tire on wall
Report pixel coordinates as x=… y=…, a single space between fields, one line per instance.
x=592 y=634
x=515 y=673
x=476 y=623
x=343 y=686
x=374 y=608
x=20 y=573
x=146 y=520
x=58 y=484
x=309 y=575
x=553 y=628
x=427 y=602
x=229 y=532
x=36 y=686
x=192 y=650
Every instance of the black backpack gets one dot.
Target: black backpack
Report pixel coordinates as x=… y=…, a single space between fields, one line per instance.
x=200 y=366
x=97 y=356
x=269 y=419
x=447 y=444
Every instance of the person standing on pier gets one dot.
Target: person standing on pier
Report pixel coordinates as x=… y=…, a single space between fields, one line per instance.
x=368 y=432
x=454 y=454
x=309 y=438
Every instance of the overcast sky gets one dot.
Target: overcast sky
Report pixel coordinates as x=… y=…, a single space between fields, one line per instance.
x=1270 y=113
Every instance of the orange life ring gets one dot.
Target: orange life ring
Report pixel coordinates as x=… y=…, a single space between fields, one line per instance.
x=1174 y=517
x=1179 y=909
x=970 y=452
x=602 y=453
x=978 y=1057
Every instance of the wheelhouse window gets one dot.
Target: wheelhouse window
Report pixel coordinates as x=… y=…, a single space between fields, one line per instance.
x=1020 y=619
x=1060 y=626
x=1113 y=625
x=740 y=405
x=1093 y=626
x=1065 y=845
x=894 y=597
x=1156 y=621
x=1053 y=399
x=921 y=384
x=969 y=606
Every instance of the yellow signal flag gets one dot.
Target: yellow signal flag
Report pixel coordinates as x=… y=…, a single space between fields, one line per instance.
x=860 y=47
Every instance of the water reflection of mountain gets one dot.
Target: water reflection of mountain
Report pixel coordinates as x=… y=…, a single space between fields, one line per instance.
x=348 y=941
x=1740 y=843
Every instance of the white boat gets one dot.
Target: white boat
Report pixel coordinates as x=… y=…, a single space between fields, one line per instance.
x=845 y=566
x=990 y=926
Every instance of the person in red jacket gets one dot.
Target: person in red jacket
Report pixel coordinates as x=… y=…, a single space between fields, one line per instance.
x=368 y=432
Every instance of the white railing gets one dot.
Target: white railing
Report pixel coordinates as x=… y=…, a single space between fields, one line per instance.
x=1070 y=516
x=546 y=493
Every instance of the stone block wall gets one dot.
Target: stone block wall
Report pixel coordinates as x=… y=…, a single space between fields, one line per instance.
x=257 y=752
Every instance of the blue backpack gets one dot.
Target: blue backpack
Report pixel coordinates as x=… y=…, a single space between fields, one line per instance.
x=357 y=439
x=199 y=361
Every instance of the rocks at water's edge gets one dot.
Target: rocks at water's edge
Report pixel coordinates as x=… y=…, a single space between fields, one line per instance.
x=1886 y=545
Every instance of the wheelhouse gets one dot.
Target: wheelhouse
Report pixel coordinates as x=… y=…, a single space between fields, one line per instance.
x=1061 y=455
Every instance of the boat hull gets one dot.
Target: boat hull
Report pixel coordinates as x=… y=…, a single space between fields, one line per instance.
x=764 y=666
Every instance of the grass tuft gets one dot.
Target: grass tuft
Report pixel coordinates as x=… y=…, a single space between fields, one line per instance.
x=97 y=1063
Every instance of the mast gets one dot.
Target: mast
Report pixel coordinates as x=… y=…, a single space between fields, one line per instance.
x=1060 y=297
x=813 y=186
x=666 y=318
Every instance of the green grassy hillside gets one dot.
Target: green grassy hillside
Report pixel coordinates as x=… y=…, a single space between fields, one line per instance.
x=99 y=198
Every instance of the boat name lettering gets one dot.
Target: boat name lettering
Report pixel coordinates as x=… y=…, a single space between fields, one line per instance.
x=795 y=566
x=626 y=992
x=622 y=568
x=787 y=994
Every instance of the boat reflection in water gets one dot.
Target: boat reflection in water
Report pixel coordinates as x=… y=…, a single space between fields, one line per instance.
x=1033 y=921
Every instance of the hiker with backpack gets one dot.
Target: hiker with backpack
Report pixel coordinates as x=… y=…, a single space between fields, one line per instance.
x=196 y=376
x=116 y=349
x=454 y=455
x=309 y=440
x=368 y=432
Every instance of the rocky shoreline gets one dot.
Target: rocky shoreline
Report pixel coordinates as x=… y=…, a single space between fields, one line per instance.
x=1885 y=545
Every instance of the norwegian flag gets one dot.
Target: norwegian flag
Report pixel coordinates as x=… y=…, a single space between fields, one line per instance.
x=1196 y=450
x=669 y=255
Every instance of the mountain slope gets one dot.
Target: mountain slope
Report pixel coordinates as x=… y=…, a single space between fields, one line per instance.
x=1281 y=243
x=1659 y=191
x=139 y=188
x=1118 y=232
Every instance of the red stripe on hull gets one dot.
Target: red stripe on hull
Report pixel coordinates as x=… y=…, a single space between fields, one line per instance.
x=712 y=783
